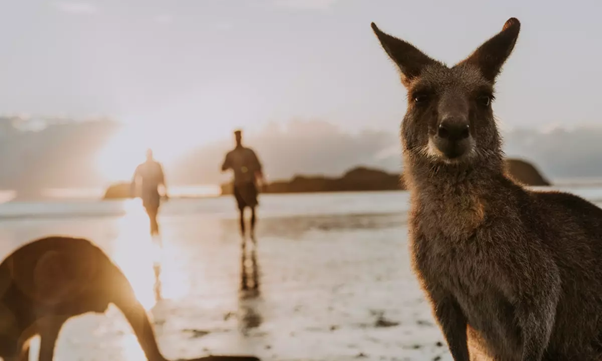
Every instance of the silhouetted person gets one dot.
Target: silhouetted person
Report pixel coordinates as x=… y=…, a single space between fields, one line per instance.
x=247 y=170
x=151 y=177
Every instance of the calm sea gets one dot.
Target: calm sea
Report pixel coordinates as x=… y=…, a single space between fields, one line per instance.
x=271 y=205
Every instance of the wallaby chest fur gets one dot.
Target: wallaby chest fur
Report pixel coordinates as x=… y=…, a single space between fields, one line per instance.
x=492 y=249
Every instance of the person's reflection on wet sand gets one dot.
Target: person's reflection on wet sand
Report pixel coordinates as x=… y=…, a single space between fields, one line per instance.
x=249 y=265
x=157 y=287
x=158 y=246
x=249 y=317
x=250 y=289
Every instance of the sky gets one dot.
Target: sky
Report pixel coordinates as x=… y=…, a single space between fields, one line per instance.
x=199 y=68
x=33 y=161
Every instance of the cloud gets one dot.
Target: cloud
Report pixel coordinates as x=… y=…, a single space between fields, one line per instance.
x=163 y=19
x=76 y=7
x=561 y=153
x=286 y=149
x=387 y=153
x=306 y=4
x=296 y=147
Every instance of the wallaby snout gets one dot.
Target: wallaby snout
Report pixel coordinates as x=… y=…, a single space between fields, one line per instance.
x=453 y=137
x=454 y=130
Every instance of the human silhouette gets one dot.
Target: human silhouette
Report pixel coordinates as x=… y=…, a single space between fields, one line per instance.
x=150 y=176
x=247 y=171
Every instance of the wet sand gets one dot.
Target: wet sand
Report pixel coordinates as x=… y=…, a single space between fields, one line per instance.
x=331 y=287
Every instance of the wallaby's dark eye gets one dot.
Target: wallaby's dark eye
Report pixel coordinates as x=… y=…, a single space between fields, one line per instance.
x=484 y=100
x=420 y=98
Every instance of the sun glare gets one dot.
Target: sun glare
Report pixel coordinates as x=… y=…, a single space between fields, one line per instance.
x=120 y=156
x=136 y=253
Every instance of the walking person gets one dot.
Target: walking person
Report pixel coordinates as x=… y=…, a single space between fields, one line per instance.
x=150 y=176
x=247 y=171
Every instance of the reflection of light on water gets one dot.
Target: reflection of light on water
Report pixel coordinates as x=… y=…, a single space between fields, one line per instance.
x=174 y=280
x=73 y=193
x=188 y=191
x=132 y=251
x=136 y=253
x=131 y=348
x=34 y=348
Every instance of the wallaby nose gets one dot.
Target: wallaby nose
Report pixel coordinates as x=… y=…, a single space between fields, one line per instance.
x=453 y=130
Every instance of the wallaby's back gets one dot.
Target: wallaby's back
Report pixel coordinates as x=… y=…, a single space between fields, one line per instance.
x=67 y=275
x=572 y=230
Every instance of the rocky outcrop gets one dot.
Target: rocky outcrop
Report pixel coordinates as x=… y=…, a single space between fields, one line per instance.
x=367 y=179
x=118 y=191
x=525 y=173
x=357 y=179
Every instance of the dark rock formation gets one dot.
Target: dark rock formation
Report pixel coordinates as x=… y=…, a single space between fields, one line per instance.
x=525 y=173
x=366 y=179
x=118 y=191
x=357 y=179
x=121 y=191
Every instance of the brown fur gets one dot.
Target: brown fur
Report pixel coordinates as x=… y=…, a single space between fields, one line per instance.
x=512 y=274
x=50 y=280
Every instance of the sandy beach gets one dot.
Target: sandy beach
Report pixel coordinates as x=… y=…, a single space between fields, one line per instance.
x=335 y=281
x=334 y=273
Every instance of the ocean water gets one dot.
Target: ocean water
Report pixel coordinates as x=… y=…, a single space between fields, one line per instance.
x=335 y=281
x=221 y=207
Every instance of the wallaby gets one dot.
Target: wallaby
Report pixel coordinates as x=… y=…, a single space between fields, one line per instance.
x=50 y=280
x=512 y=274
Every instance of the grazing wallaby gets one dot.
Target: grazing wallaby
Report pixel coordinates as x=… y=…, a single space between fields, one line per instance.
x=512 y=274
x=50 y=280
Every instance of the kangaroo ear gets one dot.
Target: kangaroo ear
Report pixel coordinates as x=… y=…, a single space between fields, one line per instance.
x=409 y=59
x=490 y=56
